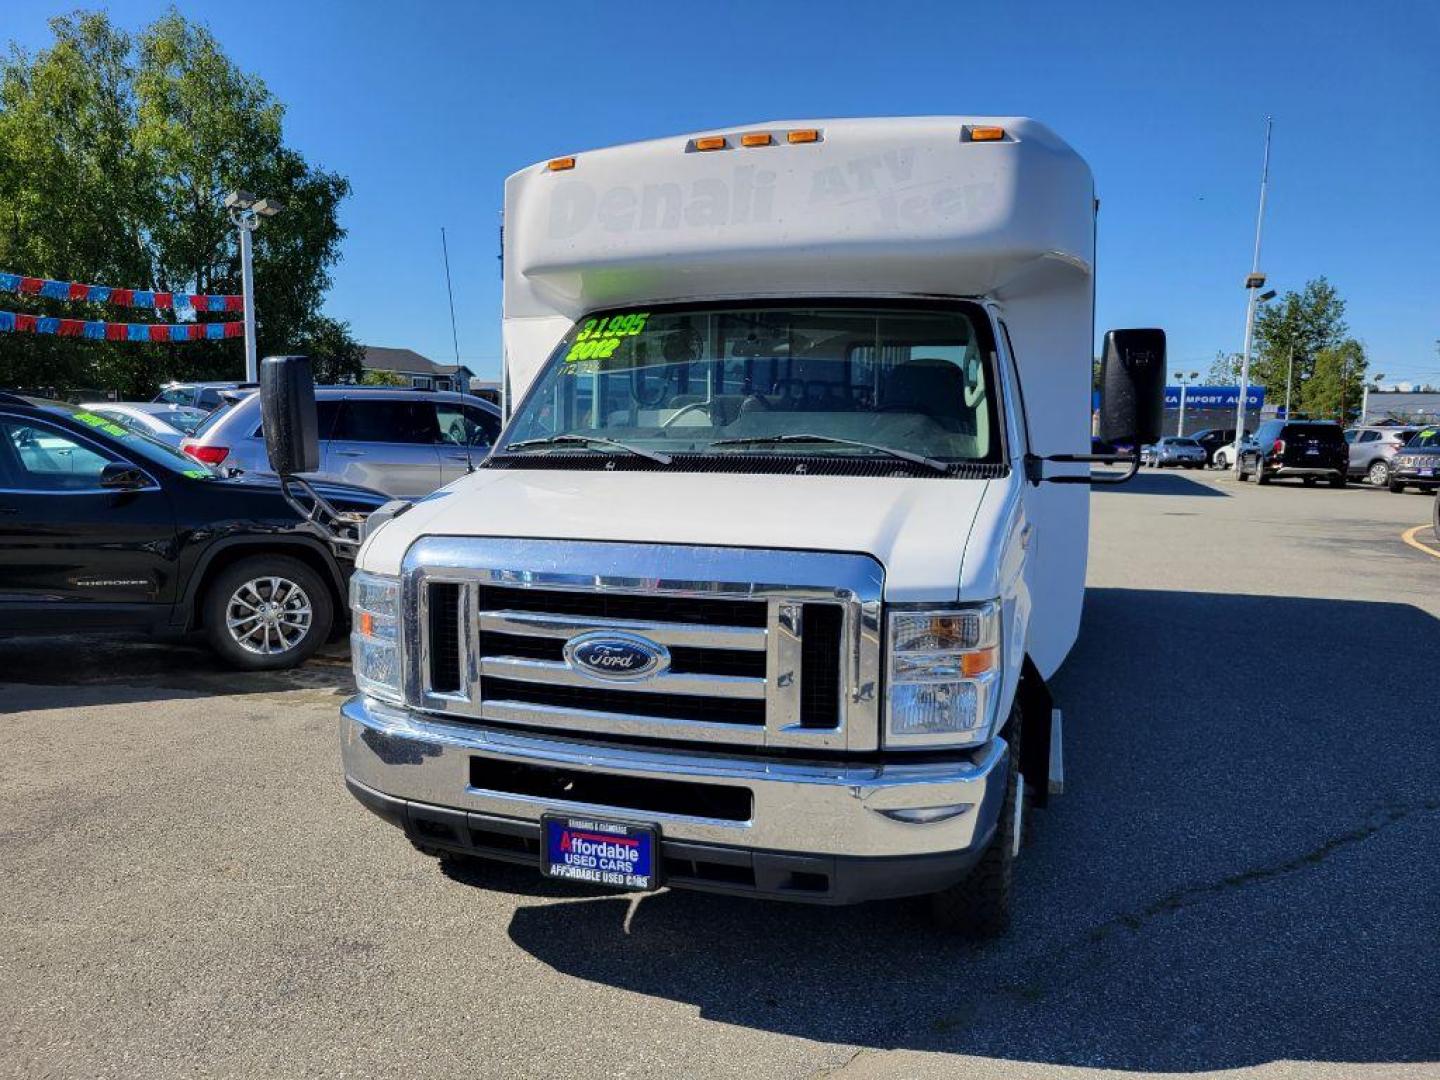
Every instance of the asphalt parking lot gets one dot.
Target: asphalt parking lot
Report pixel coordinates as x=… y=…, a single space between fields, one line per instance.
x=1241 y=876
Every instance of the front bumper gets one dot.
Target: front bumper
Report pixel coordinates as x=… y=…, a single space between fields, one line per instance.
x=823 y=833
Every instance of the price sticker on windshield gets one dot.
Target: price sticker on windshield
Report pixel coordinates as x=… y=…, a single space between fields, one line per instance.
x=100 y=423
x=599 y=338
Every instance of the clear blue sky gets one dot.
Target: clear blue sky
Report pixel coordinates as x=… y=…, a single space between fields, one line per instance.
x=427 y=107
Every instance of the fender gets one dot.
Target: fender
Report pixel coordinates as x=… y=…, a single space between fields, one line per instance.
x=185 y=612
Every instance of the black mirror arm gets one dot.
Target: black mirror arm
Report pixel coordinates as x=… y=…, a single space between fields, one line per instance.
x=341 y=530
x=1035 y=468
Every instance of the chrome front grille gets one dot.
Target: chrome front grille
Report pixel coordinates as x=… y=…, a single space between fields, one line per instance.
x=765 y=649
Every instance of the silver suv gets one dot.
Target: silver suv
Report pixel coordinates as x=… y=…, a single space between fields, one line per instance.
x=405 y=443
x=1371 y=449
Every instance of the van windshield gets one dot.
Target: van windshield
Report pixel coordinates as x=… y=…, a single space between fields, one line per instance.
x=751 y=380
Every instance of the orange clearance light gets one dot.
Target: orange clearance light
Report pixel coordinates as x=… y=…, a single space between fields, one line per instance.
x=986 y=134
x=367 y=624
x=710 y=142
x=803 y=135
x=977 y=663
x=756 y=138
x=560 y=164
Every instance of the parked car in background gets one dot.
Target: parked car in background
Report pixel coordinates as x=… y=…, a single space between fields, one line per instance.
x=1417 y=463
x=1311 y=450
x=104 y=528
x=1224 y=456
x=167 y=423
x=1372 y=448
x=1212 y=439
x=200 y=395
x=403 y=442
x=1177 y=451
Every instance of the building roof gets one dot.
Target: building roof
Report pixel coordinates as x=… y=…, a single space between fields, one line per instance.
x=1412 y=405
x=380 y=358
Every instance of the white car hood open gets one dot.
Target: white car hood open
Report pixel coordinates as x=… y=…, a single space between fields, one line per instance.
x=917 y=528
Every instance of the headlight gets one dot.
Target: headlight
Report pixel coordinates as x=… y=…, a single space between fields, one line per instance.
x=944 y=676
x=375 y=635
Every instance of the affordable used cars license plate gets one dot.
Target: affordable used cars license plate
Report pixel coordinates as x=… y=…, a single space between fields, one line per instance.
x=614 y=853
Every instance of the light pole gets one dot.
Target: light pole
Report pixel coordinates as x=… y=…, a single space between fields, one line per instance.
x=1184 y=382
x=1289 y=378
x=1253 y=283
x=245 y=213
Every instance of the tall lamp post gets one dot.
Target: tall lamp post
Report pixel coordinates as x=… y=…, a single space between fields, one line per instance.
x=1254 y=282
x=245 y=214
x=1184 y=381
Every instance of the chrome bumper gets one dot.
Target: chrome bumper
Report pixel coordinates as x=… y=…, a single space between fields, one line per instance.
x=845 y=809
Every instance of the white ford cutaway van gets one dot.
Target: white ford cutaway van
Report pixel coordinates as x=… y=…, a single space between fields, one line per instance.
x=761 y=586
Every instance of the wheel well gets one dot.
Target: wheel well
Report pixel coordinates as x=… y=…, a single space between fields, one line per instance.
x=233 y=553
x=1036 y=705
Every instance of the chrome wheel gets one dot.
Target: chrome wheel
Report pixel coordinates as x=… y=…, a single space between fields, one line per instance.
x=268 y=615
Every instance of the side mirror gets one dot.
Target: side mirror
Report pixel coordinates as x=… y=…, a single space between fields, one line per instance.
x=1132 y=386
x=122 y=476
x=287 y=411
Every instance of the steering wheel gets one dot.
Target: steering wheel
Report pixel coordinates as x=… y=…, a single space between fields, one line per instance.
x=694 y=406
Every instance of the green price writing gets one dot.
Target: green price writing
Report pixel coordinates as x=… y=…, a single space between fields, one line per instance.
x=99 y=423
x=599 y=338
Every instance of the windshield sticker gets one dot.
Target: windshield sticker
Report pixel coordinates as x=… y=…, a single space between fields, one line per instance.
x=599 y=338
x=99 y=423
x=197 y=474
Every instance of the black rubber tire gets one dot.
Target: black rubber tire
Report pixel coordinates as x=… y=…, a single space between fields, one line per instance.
x=1395 y=488
x=1260 y=477
x=218 y=593
x=1310 y=481
x=1339 y=481
x=979 y=905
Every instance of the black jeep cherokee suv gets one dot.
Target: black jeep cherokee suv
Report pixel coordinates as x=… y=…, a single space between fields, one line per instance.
x=102 y=528
x=1312 y=450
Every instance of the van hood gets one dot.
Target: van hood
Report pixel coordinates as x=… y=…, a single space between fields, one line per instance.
x=916 y=528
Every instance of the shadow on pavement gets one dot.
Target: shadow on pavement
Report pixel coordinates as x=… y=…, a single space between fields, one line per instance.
x=1240 y=872
x=1160 y=482
x=73 y=668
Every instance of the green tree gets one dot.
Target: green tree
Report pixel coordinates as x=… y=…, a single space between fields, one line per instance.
x=1224 y=369
x=1304 y=323
x=1337 y=382
x=382 y=378
x=116 y=151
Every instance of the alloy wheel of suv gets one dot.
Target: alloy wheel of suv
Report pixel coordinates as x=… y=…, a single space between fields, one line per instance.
x=268 y=615
x=267 y=612
x=1379 y=473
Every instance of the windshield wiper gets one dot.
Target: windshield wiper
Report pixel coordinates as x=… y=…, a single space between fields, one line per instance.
x=934 y=464
x=598 y=440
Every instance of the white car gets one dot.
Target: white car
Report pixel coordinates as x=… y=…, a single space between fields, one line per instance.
x=1225 y=456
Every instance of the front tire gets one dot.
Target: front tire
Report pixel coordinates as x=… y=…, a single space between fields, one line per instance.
x=1379 y=473
x=1396 y=488
x=267 y=613
x=979 y=906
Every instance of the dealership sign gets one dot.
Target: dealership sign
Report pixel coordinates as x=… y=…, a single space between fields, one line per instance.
x=1214 y=397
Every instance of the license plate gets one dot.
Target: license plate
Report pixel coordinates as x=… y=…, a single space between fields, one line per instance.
x=613 y=853
x=1313 y=450
x=1427 y=472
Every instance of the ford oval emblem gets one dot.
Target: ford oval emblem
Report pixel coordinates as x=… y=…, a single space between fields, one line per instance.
x=614 y=655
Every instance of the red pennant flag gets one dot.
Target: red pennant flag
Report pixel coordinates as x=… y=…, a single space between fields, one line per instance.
x=234 y=329
x=122 y=297
x=195 y=332
x=164 y=299
x=234 y=303
x=25 y=323
x=79 y=292
x=159 y=332
x=115 y=331
x=198 y=301
x=72 y=327
x=31 y=285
